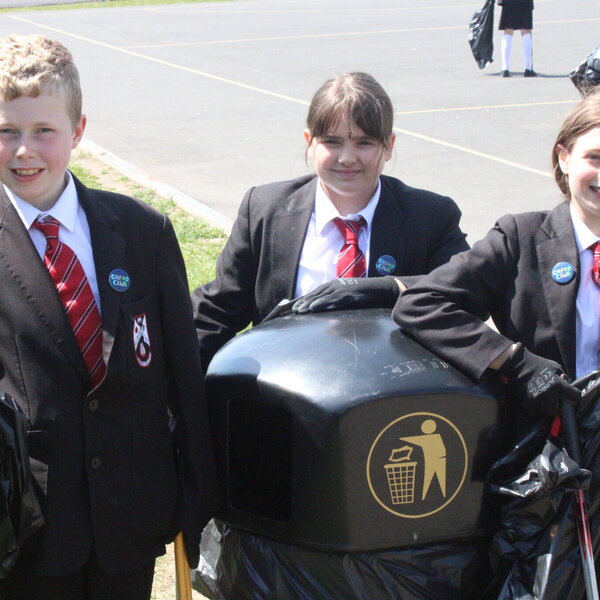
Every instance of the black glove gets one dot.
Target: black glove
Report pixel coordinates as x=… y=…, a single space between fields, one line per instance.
x=539 y=383
x=363 y=292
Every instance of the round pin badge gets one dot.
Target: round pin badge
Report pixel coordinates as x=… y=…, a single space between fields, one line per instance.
x=563 y=272
x=119 y=280
x=386 y=265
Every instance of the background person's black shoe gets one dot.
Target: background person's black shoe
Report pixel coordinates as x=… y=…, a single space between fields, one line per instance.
x=505 y=73
x=529 y=73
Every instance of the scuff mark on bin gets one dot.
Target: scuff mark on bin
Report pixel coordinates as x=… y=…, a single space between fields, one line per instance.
x=354 y=345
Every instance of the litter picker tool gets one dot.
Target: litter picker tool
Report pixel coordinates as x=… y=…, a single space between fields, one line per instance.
x=568 y=423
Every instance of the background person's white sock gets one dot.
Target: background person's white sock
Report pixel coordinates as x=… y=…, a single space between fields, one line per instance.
x=506 y=47
x=527 y=45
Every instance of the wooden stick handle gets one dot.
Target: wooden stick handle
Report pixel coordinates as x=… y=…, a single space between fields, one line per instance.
x=182 y=570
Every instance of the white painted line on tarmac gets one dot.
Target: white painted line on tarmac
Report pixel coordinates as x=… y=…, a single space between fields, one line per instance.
x=489 y=107
x=300 y=37
x=328 y=35
x=470 y=151
x=220 y=9
x=287 y=11
x=563 y=21
x=161 y=62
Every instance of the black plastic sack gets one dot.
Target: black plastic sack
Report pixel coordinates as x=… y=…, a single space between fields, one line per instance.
x=20 y=513
x=238 y=565
x=536 y=552
x=587 y=75
x=481 y=32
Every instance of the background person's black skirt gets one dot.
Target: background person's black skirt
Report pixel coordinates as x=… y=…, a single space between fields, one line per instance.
x=516 y=14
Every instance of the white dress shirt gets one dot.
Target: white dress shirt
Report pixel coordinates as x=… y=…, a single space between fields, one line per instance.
x=74 y=230
x=587 y=331
x=323 y=241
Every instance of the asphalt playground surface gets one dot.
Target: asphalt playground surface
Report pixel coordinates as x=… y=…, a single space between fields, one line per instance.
x=208 y=99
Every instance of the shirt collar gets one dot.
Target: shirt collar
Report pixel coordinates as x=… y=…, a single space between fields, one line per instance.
x=583 y=236
x=325 y=211
x=64 y=209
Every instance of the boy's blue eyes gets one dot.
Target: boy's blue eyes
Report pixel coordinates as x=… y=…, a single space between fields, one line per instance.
x=9 y=131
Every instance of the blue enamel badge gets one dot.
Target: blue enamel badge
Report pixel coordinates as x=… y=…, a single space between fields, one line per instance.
x=386 y=265
x=563 y=272
x=119 y=280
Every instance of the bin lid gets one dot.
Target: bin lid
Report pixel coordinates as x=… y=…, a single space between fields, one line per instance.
x=350 y=354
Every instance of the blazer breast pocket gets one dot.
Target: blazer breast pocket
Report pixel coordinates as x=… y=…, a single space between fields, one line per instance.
x=142 y=341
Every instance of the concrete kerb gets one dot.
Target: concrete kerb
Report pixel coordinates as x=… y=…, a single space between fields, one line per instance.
x=187 y=203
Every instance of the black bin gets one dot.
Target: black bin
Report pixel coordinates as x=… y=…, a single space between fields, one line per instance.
x=335 y=431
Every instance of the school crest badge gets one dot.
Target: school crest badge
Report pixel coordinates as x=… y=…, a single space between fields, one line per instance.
x=141 y=341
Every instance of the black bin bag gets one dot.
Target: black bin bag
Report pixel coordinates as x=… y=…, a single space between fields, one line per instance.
x=535 y=552
x=353 y=464
x=481 y=34
x=240 y=565
x=20 y=513
x=587 y=75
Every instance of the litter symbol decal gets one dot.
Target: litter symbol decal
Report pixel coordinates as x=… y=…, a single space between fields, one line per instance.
x=417 y=465
x=141 y=341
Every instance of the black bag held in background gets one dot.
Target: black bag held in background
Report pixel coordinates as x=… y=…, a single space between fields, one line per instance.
x=20 y=513
x=481 y=34
x=587 y=75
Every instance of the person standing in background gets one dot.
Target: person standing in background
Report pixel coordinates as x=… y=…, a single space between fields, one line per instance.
x=517 y=14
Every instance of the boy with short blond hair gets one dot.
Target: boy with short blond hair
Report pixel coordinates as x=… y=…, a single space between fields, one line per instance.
x=98 y=348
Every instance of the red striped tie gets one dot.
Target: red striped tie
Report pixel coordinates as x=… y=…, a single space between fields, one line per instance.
x=595 y=248
x=76 y=296
x=351 y=261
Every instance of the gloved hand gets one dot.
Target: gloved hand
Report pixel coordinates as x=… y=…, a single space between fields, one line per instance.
x=537 y=382
x=363 y=292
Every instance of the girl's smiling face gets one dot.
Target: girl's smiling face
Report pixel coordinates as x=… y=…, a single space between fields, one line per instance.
x=582 y=166
x=348 y=163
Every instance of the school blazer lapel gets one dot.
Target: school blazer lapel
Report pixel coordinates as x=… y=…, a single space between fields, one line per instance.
x=555 y=244
x=287 y=238
x=22 y=263
x=109 y=253
x=387 y=238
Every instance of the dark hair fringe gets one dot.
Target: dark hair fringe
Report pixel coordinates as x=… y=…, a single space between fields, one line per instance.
x=359 y=98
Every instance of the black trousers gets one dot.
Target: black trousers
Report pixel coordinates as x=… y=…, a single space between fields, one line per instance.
x=87 y=583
